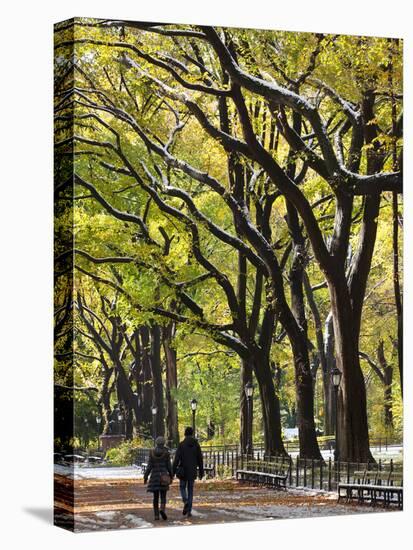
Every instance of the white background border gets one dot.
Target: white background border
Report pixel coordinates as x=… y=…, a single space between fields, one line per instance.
x=26 y=220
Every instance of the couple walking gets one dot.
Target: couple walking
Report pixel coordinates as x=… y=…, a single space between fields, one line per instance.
x=187 y=460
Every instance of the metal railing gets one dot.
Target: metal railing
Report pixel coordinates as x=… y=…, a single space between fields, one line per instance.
x=325 y=443
x=224 y=461
x=307 y=473
x=224 y=456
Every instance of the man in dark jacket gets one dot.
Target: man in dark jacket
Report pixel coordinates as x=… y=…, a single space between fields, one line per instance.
x=188 y=458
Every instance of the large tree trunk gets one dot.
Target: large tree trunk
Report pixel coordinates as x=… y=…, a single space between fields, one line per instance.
x=105 y=400
x=347 y=297
x=246 y=416
x=387 y=380
x=146 y=392
x=127 y=399
x=396 y=161
x=305 y=401
x=298 y=334
x=157 y=379
x=138 y=373
x=303 y=387
x=172 y=431
x=396 y=286
x=353 y=434
x=270 y=404
x=325 y=352
x=388 y=399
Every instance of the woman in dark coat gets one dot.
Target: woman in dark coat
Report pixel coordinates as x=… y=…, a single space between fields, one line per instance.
x=159 y=471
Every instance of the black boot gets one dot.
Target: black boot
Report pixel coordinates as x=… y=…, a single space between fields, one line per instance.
x=163 y=514
x=185 y=510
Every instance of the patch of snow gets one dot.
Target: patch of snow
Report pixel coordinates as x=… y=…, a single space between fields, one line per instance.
x=115 y=472
x=88 y=523
x=293 y=511
x=395 y=452
x=198 y=514
x=106 y=514
x=137 y=522
x=236 y=514
x=290 y=433
x=304 y=491
x=179 y=522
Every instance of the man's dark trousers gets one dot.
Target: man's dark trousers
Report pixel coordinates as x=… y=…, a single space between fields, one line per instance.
x=186 y=487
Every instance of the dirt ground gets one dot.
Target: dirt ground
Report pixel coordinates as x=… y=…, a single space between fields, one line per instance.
x=124 y=503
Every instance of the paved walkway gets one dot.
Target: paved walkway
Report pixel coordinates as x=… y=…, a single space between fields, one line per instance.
x=124 y=503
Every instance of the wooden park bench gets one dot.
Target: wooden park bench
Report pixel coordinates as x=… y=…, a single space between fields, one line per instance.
x=375 y=486
x=388 y=489
x=209 y=471
x=271 y=473
x=75 y=458
x=92 y=459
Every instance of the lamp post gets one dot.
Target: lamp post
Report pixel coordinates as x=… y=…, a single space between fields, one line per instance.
x=336 y=379
x=154 y=413
x=194 y=404
x=98 y=422
x=86 y=438
x=249 y=392
x=120 y=419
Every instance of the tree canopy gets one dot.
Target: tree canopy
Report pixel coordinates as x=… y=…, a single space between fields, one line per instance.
x=235 y=215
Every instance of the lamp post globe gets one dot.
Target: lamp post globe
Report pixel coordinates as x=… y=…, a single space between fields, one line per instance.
x=336 y=375
x=249 y=389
